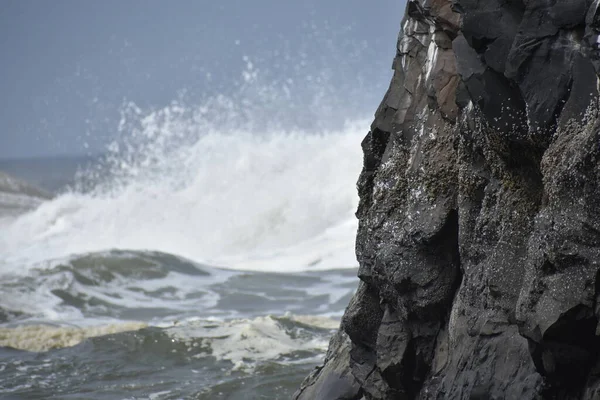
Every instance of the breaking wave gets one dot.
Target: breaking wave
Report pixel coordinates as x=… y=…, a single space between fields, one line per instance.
x=242 y=182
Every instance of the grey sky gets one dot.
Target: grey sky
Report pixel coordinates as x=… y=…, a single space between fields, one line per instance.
x=68 y=65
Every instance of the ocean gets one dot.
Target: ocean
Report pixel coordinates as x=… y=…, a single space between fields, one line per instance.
x=206 y=254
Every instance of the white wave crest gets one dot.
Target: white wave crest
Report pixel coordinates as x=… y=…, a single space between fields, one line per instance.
x=244 y=196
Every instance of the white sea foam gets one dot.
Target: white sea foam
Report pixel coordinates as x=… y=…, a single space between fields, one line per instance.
x=246 y=342
x=278 y=200
x=43 y=337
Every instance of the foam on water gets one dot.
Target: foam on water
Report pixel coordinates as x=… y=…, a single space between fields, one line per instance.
x=43 y=338
x=242 y=342
x=246 y=342
x=246 y=201
x=230 y=182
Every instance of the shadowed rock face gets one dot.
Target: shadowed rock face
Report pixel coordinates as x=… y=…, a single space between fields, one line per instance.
x=479 y=215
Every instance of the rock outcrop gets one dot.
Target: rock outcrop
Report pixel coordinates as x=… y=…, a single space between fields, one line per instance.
x=17 y=196
x=479 y=215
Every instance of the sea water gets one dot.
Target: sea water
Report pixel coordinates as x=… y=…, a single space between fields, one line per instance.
x=207 y=253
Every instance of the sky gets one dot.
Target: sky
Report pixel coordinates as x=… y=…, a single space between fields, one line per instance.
x=69 y=66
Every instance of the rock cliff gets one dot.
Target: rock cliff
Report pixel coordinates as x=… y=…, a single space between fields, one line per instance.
x=479 y=215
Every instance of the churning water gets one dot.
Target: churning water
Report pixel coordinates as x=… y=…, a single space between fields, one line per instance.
x=209 y=253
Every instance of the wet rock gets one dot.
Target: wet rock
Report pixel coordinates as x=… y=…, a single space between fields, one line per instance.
x=334 y=380
x=479 y=214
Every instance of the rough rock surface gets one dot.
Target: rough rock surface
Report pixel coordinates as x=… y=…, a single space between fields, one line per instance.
x=479 y=215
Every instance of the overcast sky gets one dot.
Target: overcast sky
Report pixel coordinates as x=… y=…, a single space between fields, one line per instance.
x=68 y=65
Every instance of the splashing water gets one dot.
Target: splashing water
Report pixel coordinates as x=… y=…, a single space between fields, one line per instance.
x=245 y=182
x=257 y=175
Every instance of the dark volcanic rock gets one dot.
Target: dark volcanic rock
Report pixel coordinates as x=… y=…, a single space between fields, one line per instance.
x=479 y=215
